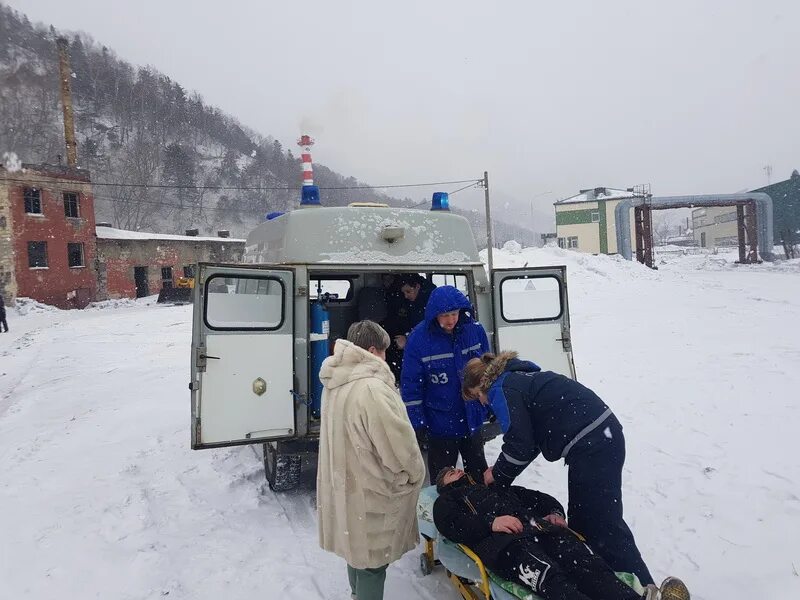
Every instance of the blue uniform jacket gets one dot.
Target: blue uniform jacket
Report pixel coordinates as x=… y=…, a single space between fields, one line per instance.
x=541 y=412
x=431 y=378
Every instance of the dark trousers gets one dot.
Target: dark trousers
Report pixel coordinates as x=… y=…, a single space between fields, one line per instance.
x=595 y=499
x=556 y=565
x=367 y=584
x=3 y=322
x=443 y=452
x=394 y=358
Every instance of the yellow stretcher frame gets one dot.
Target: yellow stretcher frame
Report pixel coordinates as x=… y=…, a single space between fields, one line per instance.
x=468 y=591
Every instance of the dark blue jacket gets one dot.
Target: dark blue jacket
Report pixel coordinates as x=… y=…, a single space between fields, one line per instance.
x=541 y=412
x=431 y=378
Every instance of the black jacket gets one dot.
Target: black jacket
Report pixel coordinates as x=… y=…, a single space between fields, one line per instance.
x=397 y=313
x=541 y=412
x=465 y=510
x=415 y=311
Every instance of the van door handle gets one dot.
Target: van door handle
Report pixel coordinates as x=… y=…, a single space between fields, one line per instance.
x=207 y=356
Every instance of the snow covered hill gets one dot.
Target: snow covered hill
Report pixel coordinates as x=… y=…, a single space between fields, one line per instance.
x=102 y=498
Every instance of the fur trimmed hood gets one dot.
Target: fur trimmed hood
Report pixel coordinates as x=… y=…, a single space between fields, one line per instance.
x=505 y=361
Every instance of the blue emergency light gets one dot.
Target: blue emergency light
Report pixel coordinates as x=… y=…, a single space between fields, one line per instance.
x=309 y=196
x=441 y=201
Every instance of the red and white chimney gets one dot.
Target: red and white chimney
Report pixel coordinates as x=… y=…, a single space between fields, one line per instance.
x=305 y=142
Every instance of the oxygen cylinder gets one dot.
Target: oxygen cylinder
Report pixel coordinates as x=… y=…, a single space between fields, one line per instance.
x=318 y=339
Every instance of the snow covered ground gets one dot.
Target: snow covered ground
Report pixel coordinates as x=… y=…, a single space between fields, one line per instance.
x=102 y=498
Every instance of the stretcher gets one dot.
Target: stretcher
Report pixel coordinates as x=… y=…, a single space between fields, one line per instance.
x=464 y=569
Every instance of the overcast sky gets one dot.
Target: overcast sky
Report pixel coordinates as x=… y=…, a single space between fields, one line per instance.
x=691 y=96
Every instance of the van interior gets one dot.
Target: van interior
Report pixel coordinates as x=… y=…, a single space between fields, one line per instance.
x=351 y=296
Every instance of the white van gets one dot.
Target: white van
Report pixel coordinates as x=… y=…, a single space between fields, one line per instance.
x=262 y=328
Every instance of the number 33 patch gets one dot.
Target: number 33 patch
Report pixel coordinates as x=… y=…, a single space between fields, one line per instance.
x=439 y=378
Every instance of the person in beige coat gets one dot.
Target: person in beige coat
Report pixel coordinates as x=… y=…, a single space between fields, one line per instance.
x=370 y=467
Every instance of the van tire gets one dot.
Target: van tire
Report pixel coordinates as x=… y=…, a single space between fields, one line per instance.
x=282 y=470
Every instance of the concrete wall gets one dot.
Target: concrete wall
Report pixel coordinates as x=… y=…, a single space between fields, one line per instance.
x=118 y=258
x=57 y=284
x=8 y=280
x=575 y=220
x=588 y=235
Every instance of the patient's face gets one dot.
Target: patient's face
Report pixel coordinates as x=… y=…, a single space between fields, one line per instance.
x=453 y=475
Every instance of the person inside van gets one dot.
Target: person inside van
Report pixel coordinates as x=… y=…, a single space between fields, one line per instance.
x=416 y=290
x=541 y=412
x=396 y=321
x=437 y=350
x=370 y=467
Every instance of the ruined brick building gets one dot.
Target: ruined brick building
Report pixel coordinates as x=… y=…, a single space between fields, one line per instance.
x=52 y=251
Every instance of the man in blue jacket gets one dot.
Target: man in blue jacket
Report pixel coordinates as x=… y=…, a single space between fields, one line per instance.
x=435 y=355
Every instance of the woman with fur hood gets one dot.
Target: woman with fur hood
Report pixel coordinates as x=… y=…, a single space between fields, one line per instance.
x=370 y=467
x=541 y=412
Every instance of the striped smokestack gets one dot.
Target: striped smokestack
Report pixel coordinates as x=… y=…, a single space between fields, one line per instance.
x=305 y=142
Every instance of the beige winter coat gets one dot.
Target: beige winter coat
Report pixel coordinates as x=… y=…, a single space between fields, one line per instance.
x=370 y=467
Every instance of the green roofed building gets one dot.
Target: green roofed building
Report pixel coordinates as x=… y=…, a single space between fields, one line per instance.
x=585 y=222
x=785 y=208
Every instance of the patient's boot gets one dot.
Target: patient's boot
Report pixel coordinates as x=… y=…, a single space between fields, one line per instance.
x=673 y=588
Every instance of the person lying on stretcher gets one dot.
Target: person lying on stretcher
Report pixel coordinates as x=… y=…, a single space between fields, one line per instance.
x=521 y=535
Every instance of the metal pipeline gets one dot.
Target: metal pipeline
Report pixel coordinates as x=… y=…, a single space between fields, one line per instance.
x=622 y=216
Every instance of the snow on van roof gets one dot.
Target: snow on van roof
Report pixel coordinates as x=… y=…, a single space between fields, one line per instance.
x=356 y=234
x=110 y=233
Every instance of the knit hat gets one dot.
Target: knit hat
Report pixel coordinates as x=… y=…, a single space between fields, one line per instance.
x=440 y=484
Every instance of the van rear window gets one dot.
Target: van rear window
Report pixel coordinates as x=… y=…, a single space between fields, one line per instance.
x=244 y=303
x=530 y=299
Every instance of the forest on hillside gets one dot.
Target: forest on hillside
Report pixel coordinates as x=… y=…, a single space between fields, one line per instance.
x=174 y=161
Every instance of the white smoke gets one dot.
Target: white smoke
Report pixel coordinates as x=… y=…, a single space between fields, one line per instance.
x=310 y=126
x=11 y=162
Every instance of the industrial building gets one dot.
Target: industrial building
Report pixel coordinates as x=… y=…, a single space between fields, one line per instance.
x=716 y=226
x=585 y=222
x=786 y=208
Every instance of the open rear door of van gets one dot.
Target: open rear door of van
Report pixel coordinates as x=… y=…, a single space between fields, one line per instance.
x=531 y=316
x=242 y=355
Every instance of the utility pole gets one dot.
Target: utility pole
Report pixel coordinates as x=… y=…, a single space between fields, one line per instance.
x=768 y=171
x=66 y=102
x=489 y=236
x=532 y=223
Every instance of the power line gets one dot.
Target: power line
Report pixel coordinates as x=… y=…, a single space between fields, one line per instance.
x=244 y=188
x=461 y=189
x=193 y=207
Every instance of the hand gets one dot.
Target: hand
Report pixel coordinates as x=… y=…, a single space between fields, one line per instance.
x=556 y=519
x=507 y=524
x=400 y=341
x=488 y=476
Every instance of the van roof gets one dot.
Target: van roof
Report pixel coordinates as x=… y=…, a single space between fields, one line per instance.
x=360 y=234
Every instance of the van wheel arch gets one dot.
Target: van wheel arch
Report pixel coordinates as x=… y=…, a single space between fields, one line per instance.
x=282 y=470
